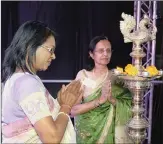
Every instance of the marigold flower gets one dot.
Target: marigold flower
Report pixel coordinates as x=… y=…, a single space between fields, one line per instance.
x=152 y=70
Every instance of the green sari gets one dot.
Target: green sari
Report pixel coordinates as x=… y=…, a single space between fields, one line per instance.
x=106 y=123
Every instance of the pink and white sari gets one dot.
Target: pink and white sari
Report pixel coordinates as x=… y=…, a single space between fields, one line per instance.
x=24 y=102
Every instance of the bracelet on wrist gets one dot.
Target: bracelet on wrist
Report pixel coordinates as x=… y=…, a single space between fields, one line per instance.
x=63 y=114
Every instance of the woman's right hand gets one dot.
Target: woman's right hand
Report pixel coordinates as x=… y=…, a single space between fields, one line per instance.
x=68 y=95
x=106 y=90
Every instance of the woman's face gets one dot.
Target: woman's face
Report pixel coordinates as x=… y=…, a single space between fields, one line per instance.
x=45 y=55
x=102 y=53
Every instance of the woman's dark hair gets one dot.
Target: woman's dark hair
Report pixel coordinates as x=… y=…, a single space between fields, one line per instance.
x=92 y=46
x=26 y=40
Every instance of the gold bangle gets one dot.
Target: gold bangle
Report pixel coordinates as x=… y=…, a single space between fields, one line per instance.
x=63 y=114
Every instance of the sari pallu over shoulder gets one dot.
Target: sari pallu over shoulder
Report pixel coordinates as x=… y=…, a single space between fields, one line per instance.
x=23 y=131
x=23 y=125
x=98 y=125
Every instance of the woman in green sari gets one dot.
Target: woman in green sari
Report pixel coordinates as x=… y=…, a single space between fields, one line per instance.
x=105 y=107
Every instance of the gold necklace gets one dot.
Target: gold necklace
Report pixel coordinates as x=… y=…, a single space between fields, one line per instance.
x=104 y=77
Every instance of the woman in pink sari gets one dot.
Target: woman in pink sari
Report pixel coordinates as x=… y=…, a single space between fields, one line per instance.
x=29 y=113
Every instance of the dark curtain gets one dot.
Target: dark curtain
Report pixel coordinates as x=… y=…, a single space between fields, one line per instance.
x=76 y=23
x=157 y=116
x=102 y=18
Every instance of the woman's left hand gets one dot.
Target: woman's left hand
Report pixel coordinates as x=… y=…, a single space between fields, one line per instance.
x=110 y=98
